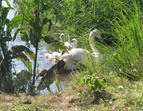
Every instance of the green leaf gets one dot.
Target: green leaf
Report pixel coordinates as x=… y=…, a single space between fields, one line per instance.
x=24 y=36
x=4 y=13
x=28 y=75
x=98 y=84
x=80 y=81
x=18 y=49
x=7 y=1
x=50 y=24
x=15 y=22
x=26 y=61
x=17 y=52
x=30 y=54
x=49 y=39
x=16 y=32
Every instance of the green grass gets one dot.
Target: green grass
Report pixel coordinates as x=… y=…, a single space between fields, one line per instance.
x=120 y=67
x=129 y=49
x=119 y=94
x=25 y=107
x=124 y=59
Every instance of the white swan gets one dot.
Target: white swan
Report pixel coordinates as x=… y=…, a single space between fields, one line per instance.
x=62 y=37
x=67 y=44
x=73 y=43
x=54 y=56
x=94 y=33
x=79 y=54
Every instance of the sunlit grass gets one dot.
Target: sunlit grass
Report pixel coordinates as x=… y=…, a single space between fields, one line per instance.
x=121 y=64
x=120 y=94
x=129 y=48
x=117 y=66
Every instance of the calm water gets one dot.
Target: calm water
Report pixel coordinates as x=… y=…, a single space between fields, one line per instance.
x=42 y=63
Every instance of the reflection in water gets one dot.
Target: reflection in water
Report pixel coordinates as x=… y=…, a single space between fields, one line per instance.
x=53 y=88
x=42 y=63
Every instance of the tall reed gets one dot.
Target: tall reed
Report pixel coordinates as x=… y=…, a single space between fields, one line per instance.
x=125 y=58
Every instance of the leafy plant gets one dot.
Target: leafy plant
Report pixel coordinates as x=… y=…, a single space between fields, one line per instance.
x=16 y=52
x=36 y=19
x=95 y=83
x=23 y=78
x=20 y=52
x=5 y=36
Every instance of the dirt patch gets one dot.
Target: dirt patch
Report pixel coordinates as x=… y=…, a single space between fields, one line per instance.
x=54 y=102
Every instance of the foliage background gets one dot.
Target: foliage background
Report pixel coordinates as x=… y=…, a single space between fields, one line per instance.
x=119 y=21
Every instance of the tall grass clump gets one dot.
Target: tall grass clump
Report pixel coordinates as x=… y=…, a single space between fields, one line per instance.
x=126 y=60
x=125 y=57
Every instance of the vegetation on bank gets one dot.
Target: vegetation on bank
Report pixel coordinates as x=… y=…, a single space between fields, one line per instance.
x=120 y=69
x=122 y=96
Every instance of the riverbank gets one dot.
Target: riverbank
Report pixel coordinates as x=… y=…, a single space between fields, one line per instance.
x=120 y=95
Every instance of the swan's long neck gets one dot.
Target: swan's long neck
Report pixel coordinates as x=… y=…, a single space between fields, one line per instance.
x=62 y=37
x=92 y=35
x=74 y=43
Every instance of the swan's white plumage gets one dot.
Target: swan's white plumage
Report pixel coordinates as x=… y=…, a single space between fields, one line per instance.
x=67 y=44
x=92 y=35
x=76 y=55
x=62 y=37
x=54 y=56
x=73 y=43
x=79 y=54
